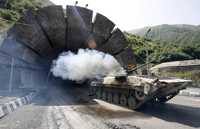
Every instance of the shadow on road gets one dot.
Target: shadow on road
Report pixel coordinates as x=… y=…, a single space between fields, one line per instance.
x=182 y=114
x=72 y=95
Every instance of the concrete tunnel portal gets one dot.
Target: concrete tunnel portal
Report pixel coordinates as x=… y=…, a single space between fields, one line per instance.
x=39 y=36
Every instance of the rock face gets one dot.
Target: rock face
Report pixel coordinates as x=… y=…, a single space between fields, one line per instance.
x=38 y=37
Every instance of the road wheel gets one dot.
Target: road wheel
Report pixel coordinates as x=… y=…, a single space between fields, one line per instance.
x=132 y=102
x=116 y=98
x=139 y=95
x=123 y=100
x=98 y=94
x=110 y=96
x=104 y=95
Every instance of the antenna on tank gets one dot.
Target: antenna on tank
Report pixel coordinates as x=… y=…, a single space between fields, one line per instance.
x=147 y=51
x=76 y=3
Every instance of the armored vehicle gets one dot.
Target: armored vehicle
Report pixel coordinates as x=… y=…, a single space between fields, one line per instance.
x=134 y=91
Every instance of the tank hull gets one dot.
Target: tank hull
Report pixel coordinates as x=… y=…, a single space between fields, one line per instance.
x=136 y=91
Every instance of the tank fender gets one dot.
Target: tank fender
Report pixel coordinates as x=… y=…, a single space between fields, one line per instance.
x=151 y=87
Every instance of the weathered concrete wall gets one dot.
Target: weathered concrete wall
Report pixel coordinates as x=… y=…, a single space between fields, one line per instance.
x=2 y=37
x=38 y=37
x=5 y=71
x=30 y=34
x=126 y=58
x=115 y=44
x=18 y=65
x=79 y=26
x=102 y=28
x=16 y=73
x=19 y=50
x=52 y=22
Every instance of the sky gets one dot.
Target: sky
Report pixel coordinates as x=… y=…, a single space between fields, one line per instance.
x=133 y=14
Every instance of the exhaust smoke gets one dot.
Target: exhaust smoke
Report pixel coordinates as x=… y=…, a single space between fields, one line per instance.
x=86 y=64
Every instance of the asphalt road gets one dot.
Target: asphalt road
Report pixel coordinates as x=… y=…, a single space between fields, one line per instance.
x=71 y=108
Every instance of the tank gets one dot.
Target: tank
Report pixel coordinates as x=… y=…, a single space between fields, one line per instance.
x=133 y=91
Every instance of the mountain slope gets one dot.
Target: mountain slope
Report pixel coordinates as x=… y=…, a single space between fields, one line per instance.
x=177 y=34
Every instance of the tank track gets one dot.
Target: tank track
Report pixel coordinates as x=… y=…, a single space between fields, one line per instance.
x=165 y=98
x=130 y=98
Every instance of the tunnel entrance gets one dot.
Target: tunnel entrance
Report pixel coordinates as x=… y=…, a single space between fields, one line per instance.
x=39 y=36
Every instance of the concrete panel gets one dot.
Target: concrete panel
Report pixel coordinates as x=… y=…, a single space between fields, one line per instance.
x=18 y=50
x=115 y=44
x=20 y=64
x=4 y=59
x=4 y=77
x=33 y=78
x=39 y=79
x=31 y=34
x=3 y=35
x=26 y=75
x=126 y=58
x=79 y=25
x=6 y=62
x=102 y=28
x=16 y=80
x=53 y=23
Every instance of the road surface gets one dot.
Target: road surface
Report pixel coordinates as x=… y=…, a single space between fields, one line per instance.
x=71 y=108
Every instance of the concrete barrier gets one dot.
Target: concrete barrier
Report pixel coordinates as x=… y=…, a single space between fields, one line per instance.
x=11 y=106
x=193 y=92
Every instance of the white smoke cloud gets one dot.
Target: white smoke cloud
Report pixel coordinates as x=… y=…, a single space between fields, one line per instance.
x=86 y=64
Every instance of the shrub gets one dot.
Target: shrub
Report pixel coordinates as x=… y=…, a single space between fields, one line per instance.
x=9 y=15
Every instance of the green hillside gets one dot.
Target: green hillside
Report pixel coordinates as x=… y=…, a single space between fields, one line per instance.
x=161 y=51
x=170 y=42
x=178 y=34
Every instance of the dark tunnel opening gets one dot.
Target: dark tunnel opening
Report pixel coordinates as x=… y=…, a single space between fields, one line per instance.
x=39 y=36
